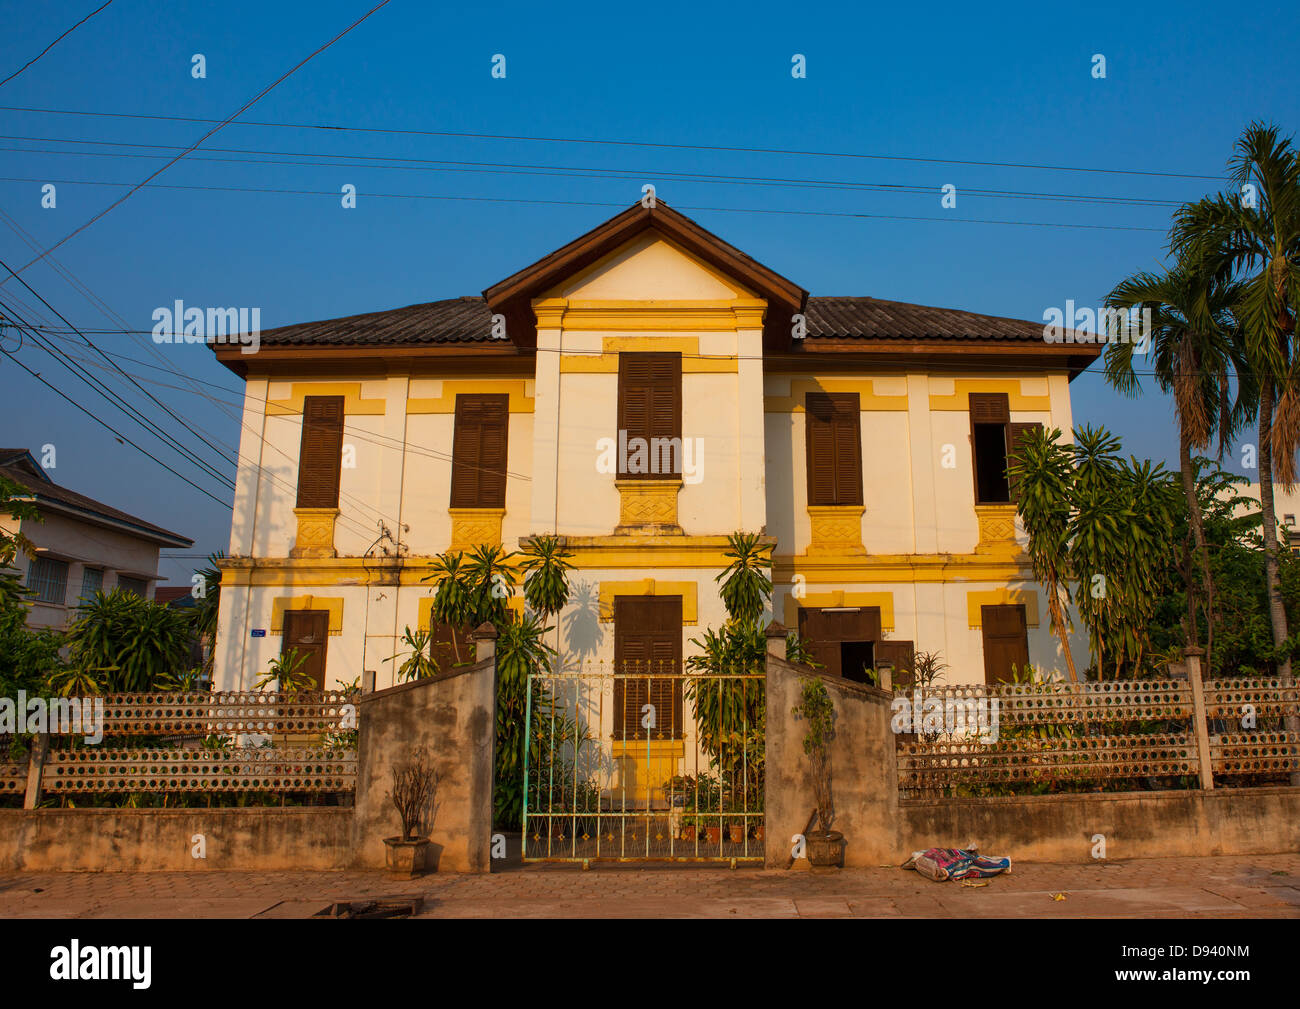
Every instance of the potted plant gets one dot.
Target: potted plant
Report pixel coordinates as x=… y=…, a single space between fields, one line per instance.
x=825 y=847
x=414 y=785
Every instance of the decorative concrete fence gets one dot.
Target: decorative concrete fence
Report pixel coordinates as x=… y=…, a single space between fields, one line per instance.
x=875 y=777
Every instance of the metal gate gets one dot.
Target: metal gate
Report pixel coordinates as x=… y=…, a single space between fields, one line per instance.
x=644 y=764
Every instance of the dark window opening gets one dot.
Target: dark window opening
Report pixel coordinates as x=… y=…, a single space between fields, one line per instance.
x=991 y=464
x=856 y=657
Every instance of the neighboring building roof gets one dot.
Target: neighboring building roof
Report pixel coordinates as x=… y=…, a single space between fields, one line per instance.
x=177 y=596
x=19 y=466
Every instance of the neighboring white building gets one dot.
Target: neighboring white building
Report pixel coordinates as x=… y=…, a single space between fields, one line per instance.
x=1286 y=509
x=866 y=439
x=82 y=545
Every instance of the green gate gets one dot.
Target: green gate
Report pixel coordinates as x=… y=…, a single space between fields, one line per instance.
x=644 y=765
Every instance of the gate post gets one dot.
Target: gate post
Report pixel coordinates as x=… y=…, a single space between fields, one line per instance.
x=35 y=768
x=1200 y=725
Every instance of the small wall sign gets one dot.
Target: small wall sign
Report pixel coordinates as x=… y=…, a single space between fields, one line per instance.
x=258 y=632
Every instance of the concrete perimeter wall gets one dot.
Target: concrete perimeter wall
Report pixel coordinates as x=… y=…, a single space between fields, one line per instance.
x=453 y=716
x=129 y=840
x=880 y=829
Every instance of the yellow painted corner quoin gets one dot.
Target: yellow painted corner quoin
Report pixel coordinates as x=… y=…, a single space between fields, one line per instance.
x=918 y=548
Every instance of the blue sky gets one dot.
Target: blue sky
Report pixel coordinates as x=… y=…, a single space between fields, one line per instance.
x=964 y=84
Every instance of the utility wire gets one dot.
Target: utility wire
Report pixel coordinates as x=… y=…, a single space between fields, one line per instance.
x=626 y=143
x=54 y=43
x=242 y=109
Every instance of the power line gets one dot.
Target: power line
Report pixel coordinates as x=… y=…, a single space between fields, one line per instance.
x=54 y=43
x=606 y=205
x=242 y=109
x=157 y=401
x=626 y=143
x=553 y=171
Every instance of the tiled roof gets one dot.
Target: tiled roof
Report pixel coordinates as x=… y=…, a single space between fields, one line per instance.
x=19 y=468
x=467 y=320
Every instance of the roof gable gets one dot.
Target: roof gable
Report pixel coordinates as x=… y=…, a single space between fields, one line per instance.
x=512 y=297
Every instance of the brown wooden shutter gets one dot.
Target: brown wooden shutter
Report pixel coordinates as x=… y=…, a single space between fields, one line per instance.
x=1016 y=432
x=650 y=406
x=1006 y=642
x=901 y=655
x=833 y=437
x=320 y=455
x=647 y=640
x=990 y=408
x=308 y=632
x=480 y=447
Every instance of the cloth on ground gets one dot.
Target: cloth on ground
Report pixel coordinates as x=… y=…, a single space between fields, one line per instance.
x=939 y=864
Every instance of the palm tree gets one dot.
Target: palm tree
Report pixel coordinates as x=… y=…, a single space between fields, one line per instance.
x=1254 y=235
x=1190 y=352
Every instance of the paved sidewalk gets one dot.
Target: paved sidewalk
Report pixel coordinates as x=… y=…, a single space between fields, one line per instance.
x=1262 y=886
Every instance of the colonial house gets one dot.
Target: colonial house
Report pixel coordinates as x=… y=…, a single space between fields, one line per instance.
x=642 y=392
x=82 y=545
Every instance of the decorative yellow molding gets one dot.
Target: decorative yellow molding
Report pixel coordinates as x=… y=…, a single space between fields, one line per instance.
x=1001 y=597
x=606 y=362
x=648 y=504
x=520 y=391
x=353 y=404
x=960 y=398
x=836 y=529
x=901 y=568
x=515 y=604
x=997 y=525
x=315 y=532
x=838 y=597
x=473 y=526
x=868 y=398
x=650 y=587
x=331 y=603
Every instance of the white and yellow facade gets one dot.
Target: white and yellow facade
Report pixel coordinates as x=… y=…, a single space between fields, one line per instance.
x=918 y=548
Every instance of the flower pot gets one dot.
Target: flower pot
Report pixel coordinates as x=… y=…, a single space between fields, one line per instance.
x=406 y=859
x=736 y=833
x=758 y=833
x=689 y=834
x=825 y=848
x=714 y=835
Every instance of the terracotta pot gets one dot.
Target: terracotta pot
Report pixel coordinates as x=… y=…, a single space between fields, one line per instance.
x=714 y=834
x=689 y=834
x=825 y=848
x=406 y=859
x=758 y=832
x=736 y=832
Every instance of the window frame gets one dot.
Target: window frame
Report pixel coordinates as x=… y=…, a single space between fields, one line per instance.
x=844 y=412
x=467 y=488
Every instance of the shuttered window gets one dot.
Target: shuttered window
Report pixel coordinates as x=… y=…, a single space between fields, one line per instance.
x=479 y=449
x=833 y=432
x=320 y=456
x=650 y=416
x=990 y=413
x=1006 y=642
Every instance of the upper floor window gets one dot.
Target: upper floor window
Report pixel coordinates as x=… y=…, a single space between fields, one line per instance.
x=320 y=456
x=994 y=438
x=478 y=451
x=48 y=578
x=649 y=416
x=833 y=433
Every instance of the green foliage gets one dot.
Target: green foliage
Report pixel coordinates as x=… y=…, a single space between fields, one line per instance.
x=522 y=650
x=285 y=672
x=206 y=605
x=546 y=584
x=127 y=643
x=418 y=664
x=746 y=584
x=816 y=708
x=491 y=580
x=798 y=650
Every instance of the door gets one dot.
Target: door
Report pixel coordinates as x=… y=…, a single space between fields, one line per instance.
x=842 y=638
x=308 y=631
x=648 y=640
x=1006 y=642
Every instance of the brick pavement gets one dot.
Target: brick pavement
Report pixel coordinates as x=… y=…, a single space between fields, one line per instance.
x=1240 y=886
